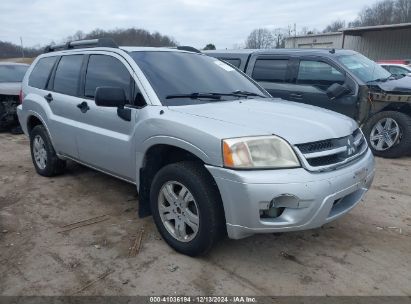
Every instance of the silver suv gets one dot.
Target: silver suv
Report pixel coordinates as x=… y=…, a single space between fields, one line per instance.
x=208 y=149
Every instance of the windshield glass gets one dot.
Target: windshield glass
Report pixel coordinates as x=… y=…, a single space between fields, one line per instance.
x=173 y=74
x=12 y=73
x=364 y=68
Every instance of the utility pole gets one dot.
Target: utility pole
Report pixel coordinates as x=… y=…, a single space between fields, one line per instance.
x=295 y=34
x=22 y=49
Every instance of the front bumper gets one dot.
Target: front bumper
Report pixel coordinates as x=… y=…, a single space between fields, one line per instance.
x=317 y=198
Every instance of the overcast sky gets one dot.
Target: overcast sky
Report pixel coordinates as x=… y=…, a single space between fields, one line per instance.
x=189 y=22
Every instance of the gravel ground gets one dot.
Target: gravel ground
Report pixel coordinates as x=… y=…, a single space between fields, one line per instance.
x=367 y=252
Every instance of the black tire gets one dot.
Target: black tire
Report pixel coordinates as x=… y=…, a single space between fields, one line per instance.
x=402 y=145
x=199 y=182
x=54 y=165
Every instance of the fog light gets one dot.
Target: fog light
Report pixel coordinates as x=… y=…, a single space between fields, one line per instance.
x=271 y=211
x=286 y=201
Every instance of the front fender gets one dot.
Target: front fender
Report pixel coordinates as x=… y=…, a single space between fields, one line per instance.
x=167 y=140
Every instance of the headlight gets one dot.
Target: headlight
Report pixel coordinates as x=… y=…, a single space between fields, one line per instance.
x=258 y=152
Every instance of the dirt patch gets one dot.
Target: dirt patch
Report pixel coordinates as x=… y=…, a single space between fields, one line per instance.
x=359 y=254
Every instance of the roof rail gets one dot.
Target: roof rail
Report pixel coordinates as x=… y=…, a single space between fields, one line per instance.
x=79 y=44
x=188 y=49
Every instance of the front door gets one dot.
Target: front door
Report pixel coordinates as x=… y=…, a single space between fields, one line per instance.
x=106 y=140
x=313 y=78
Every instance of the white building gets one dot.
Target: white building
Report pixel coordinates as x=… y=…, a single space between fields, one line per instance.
x=376 y=42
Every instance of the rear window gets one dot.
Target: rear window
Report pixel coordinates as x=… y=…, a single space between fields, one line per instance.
x=41 y=72
x=67 y=77
x=270 y=70
x=12 y=73
x=234 y=61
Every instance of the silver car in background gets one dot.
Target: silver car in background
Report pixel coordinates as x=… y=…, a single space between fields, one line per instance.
x=210 y=152
x=11 y=76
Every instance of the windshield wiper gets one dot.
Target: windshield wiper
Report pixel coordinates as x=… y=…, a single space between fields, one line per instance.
x=214 y=95
x=247 y=93
x=194 y=96
x=380 y=79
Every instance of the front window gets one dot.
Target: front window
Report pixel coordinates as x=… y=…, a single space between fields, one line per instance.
x=364 y=68
x=180 y=78
x=318 y=74
x=12 y=73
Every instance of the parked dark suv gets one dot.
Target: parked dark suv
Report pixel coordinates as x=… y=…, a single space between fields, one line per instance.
x=340 y=80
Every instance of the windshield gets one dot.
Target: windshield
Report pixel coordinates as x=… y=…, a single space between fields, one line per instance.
x=180 y=78
x=12 y=73
x=364 y=68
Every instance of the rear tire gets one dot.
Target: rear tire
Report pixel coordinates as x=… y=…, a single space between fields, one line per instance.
x=43 y=155
x=388 y=134
x=182 y=195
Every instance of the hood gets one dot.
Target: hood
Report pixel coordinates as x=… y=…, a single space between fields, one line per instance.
x=295 y=122
x=10 y=88
x=401 y=85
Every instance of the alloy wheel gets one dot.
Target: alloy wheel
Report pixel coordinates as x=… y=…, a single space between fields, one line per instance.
x=384 y=134
x=39 y=152
x=179 y=211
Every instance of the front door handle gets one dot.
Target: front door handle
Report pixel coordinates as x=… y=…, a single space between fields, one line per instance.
x=48 y=97
x=83 y=107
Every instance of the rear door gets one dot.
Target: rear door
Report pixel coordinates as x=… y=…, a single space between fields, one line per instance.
x=62 y=97
x=272 y=73
x=106 y=140
x=313 y=77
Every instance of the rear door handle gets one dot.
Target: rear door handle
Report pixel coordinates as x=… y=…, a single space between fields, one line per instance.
x=83 y=107
x=48 y=97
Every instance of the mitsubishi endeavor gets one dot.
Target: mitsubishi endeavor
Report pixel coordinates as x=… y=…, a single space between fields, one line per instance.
x=210 y=152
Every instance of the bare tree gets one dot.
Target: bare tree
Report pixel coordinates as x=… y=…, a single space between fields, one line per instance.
x=403 y=11
x=280 y=34
x=334 y=26
x=384 y=12
x=259 y=39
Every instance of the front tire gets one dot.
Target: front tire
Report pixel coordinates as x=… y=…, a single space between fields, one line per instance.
x=389 y=134
x=187 y=208
x=43 y=155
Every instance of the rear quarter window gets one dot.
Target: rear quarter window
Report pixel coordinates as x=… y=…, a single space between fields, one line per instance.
x=270 y=70
x=41 y=72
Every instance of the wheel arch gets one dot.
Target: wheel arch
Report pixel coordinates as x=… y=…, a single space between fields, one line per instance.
x=402 y=107
x=34 y=119
x=157 y=156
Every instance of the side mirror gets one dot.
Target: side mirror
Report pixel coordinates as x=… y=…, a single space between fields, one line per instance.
x=110 y=97
x=337 y=90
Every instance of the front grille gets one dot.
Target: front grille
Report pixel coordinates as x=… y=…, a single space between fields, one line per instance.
x=316 y=146
x=331 y=153
x=323 y=160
